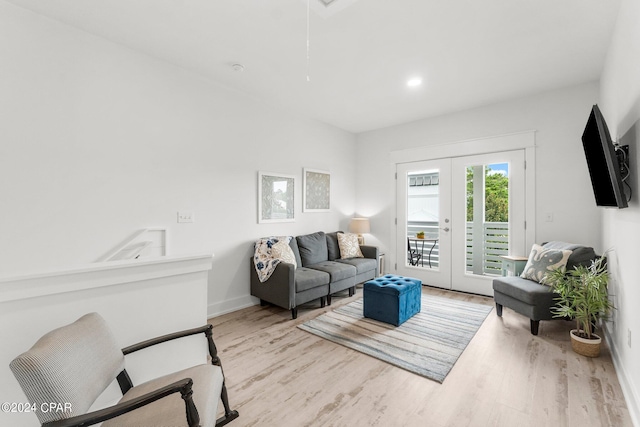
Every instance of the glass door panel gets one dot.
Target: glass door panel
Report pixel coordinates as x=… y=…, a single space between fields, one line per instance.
x=424 y=201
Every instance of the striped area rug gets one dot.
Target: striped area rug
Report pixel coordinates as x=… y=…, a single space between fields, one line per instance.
x=427 y=344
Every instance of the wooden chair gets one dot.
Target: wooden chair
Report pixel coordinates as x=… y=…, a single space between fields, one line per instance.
x=74 y=364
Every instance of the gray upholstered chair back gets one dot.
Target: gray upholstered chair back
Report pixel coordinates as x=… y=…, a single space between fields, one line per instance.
x=73 y=364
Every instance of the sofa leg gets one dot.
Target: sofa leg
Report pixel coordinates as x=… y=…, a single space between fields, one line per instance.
x=352 y=291
x=535 y=324
x=294 y=313
x=499 y=309
x=323 y=301
x=262 y=303
x=328 y=299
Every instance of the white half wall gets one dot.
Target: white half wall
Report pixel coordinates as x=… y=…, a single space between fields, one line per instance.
x=620 y=94
x=119 y=291
x=562 y=185
x=99 y=141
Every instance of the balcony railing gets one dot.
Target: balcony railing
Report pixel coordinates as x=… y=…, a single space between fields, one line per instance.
x=494 y=243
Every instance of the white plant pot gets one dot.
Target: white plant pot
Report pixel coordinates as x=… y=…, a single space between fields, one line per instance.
x=585 y=347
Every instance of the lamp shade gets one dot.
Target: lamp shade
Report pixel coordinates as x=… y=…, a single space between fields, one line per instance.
x=359 y=225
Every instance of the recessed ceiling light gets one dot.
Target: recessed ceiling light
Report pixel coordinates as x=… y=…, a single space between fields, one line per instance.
x=414 y=82
x=237 y=67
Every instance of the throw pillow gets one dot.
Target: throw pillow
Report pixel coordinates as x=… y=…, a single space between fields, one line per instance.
x=349 y=246
x=282 y=251
x=542 y=260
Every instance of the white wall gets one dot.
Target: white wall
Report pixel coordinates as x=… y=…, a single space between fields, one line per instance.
x=99 y=141
x=562 y=180
x=620 y=95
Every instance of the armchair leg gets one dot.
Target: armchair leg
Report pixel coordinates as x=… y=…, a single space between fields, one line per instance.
x=294 y=313
x=227 y=418
x=328 y=299
x=323 y=302
x=499 y=309
x=229 y=415
x=535 y=324
x=352 y=291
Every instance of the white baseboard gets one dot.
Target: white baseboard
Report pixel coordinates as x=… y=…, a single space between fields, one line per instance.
x=631 y=395
x=227 y=306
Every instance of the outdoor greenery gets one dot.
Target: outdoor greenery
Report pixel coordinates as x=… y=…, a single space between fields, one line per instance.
x=496 y=196
x=582 y=294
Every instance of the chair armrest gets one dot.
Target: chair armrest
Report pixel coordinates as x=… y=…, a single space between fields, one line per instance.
x=164 y=338
x=184 y=387
x=369 y=251
x=207 y=330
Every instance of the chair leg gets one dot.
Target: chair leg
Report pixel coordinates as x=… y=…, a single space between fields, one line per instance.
x=229 y=415
x=535 y=324
x=294 y=313
x=499 y=309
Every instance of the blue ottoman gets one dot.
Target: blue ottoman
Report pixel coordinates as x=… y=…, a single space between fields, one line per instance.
x=392 y=299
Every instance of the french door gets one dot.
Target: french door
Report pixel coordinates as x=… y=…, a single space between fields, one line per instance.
x=471 y=210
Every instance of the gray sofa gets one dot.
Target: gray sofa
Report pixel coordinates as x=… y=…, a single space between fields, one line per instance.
x=320 y=273
x=531 y=298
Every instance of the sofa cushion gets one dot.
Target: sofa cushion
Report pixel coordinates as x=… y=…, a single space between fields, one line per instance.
x=336 y=270
x=313 y=248
x=307 y=278
x=524 y=290
x=580 y=255
x=332 y=245
x=349 y=246
x=362 y=265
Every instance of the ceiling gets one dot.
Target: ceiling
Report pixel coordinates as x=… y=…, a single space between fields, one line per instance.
x=361 y=53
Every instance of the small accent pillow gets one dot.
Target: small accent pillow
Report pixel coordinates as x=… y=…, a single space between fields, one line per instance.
x=282 y=251
x=541 y=261
x=349 y=246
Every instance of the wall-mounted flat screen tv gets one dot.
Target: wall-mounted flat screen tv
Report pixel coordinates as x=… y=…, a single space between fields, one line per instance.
x=604 y=167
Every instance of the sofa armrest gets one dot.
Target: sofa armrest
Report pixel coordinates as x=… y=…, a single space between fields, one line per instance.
x=279 y=289
x=369 y=251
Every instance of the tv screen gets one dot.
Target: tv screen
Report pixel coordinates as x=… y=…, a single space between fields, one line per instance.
x=602 y=161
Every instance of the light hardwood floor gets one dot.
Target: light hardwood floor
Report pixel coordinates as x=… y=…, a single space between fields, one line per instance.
x=279 y=375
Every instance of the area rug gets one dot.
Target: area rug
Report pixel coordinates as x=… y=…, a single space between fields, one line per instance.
x=428 y=344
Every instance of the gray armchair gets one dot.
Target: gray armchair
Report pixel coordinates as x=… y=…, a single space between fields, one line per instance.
x=74 y=364
x=530 y=298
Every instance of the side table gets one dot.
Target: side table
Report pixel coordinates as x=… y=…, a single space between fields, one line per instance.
x=513 y=265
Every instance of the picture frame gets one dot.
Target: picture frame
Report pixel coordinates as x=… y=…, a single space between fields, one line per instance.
x=317 y=190
x=276 y=197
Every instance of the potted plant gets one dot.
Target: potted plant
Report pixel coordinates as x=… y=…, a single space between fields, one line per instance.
x=420 y=235
x=582 y=296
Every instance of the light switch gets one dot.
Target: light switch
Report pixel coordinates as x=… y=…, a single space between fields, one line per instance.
x=185 y=216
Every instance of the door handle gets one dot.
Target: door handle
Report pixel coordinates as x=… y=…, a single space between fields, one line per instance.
x=445 y=229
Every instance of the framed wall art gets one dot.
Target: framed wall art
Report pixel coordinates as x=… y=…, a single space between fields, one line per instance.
x=276 y=197
x=317 y=191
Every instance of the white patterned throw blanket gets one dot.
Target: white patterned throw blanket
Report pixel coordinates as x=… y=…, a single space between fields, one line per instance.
x=269 y=252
